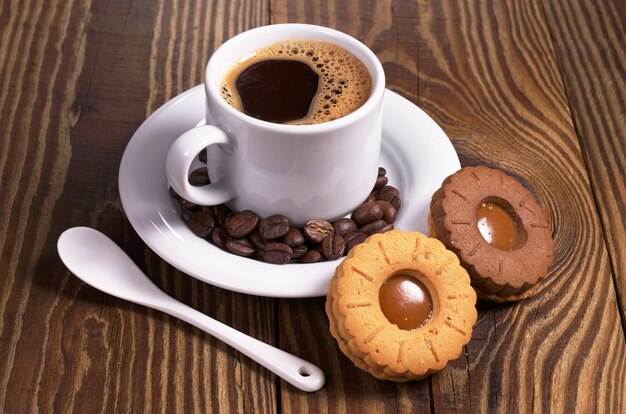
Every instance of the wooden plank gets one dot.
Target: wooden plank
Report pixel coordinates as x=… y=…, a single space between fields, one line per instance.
x=589 y=43
x=488 y=73
x=389 y=29
x=78 y=78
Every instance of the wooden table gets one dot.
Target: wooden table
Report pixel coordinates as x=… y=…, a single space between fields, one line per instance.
x=537 y=88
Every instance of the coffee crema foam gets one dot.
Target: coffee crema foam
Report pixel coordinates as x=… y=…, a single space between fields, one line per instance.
x=344 y=81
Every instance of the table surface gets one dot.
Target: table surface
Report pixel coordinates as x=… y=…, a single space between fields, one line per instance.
x=536 y=88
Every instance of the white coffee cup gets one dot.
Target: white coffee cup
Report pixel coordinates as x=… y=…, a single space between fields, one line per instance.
x=319 y=171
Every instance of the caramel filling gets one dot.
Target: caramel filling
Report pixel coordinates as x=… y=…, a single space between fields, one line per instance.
x=497 y=226
x=405 y=301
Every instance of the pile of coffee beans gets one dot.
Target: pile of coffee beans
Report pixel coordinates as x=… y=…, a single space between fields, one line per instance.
x=274 y=240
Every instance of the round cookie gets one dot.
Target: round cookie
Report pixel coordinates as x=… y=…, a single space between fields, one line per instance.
x=498 y=230
x=358 y=306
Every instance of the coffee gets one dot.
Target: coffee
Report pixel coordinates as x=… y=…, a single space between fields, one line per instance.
x=299 y=82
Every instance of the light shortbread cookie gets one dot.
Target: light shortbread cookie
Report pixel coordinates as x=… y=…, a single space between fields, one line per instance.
x=362 y=326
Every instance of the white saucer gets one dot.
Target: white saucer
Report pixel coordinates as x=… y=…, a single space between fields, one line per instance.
x=416 y=153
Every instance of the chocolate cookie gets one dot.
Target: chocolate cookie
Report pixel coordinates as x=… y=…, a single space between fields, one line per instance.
x=401 y=306
x=498 y=230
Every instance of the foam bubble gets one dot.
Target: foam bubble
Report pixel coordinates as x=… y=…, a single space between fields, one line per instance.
x=344 y=84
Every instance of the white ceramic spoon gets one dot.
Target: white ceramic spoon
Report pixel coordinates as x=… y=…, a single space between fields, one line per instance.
x=98 y=261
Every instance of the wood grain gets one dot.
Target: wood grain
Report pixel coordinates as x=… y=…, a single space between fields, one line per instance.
x=488 y=73
x=495 y=65
x=77 y=79
x=534 y=87
x=589 y=43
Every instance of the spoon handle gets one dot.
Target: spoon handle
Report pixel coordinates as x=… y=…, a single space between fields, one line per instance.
x=296 y=371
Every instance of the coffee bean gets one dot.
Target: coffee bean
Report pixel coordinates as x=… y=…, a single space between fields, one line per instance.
x=333 y=246
x=277 y=253
x=389 y=194
x=186 y=215
x=312 y=256
x=202 y=156
x=396 y=203
x=188 y=205
x=354 y=238
x=373 y=228
x=199 y=177
x=387 y=228
x=257 y=240
x=273 y=227
x=293 y=238
x=367 y=213
x=274 y=241
x=299 y=251
x=202 y=223
x=174 y=194
x=241 y=224
x=317 y=230
x=240 y=247
x=344 y=226
x=381 y=181
x=219 y=237
x=221 y=214
x=389 y=212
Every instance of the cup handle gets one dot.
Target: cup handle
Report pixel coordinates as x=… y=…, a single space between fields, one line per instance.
x=180 y=156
